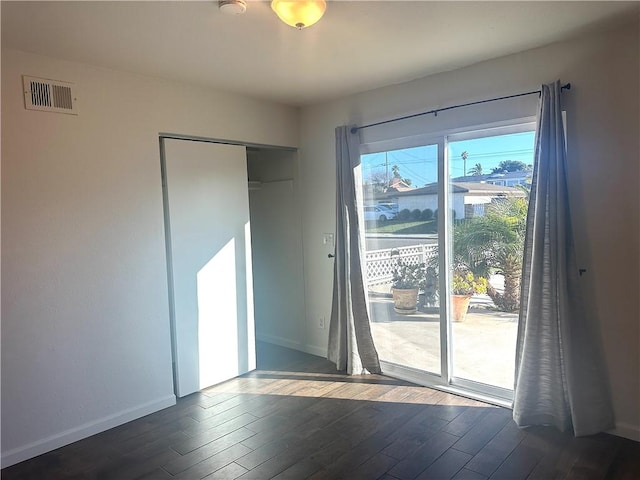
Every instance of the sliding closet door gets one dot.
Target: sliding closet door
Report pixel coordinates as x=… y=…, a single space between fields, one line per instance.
x=208 y=250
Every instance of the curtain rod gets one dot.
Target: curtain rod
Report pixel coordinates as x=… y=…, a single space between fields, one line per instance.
x=566 y=86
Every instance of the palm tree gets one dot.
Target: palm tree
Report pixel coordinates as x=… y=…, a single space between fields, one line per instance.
x=464 y=155
x=476 y=170
x=494 y=244
x=511 y=166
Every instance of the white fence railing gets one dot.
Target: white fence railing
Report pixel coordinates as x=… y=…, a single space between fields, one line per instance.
x=380 y=263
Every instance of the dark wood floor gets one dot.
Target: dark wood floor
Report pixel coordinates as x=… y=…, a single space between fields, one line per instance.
x=296 y=418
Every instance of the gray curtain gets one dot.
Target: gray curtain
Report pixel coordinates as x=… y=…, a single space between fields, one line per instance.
x=350 y=342
x=560 y=375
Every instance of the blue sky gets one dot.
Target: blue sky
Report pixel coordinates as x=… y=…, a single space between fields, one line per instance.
x=420 y=164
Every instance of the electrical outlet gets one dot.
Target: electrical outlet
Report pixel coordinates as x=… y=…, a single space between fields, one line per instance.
x=321 y=322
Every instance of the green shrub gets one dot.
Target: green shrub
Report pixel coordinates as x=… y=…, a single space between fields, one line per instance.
x=427 y=214
x=435 y=214
x=416 y=214
x=404 y=214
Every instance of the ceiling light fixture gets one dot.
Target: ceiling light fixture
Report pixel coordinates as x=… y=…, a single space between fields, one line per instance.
x=232 y=7
x=299 y=13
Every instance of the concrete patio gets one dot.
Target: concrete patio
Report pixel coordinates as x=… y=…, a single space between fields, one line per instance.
x=483 y=345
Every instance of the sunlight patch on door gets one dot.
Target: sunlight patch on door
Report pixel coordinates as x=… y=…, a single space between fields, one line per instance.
x=218 y=317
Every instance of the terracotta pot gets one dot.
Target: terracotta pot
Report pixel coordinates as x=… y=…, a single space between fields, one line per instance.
x=405 y=300
x=459 y=307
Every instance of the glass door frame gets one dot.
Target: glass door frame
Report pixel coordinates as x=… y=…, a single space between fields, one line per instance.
x=414 y=375
x=446 y=381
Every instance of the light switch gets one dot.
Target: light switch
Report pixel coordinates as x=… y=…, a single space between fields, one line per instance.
x=327 y=239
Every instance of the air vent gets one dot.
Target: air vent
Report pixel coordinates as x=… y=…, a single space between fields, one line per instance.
x=49 y=95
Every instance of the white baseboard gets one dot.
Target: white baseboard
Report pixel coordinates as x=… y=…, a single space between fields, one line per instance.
x=61 y=439
x=283 y=342
x=315 y=350
x=626 y=430
x=287 y=343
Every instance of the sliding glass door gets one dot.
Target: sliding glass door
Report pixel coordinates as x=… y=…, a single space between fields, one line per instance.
x=401 y=247
x=444 y=220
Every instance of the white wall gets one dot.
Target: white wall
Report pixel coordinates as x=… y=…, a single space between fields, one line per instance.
x=85 y=322
x=602 y=114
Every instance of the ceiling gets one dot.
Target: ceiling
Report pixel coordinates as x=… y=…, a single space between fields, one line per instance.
x=356 y=46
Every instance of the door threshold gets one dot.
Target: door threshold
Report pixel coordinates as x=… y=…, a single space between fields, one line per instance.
x=434 y=381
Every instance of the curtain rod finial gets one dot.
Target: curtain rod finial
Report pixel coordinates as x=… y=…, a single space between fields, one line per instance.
x=566 y=86
x=354 y=130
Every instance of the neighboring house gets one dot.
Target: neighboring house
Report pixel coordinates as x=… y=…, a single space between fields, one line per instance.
x=511 y=179
x=471 y=193
x=398 y=185
x=373 y=195
x=469 y=199
x=507 y=179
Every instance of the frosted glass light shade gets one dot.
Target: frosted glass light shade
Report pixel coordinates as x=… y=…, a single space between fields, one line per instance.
x=299 y=13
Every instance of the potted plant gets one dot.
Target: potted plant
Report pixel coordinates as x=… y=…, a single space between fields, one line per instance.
x=430 y=287
x=464 y=286
x=406 y=283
